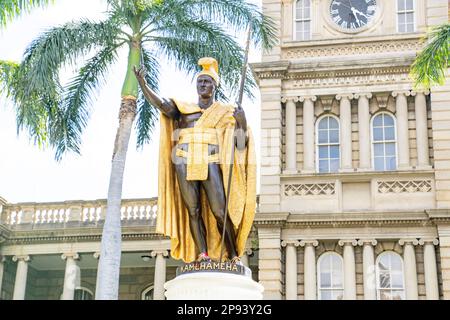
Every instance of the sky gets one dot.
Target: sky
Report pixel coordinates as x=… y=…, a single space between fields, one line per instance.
x=30 y=174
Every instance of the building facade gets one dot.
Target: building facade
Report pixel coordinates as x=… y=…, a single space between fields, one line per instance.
x=355 y=174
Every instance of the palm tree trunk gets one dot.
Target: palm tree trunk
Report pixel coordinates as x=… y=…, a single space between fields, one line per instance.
x=108 y=272
x=110 y=254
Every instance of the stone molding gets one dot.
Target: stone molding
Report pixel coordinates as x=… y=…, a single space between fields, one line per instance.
x=308 y=97
x=372 y=242
x=365 y=48
x=72 y=255
x=352 y=242
x=411 y=186
x=414 y=92
x=396 y=93
x=424 y=241
x=25 y=258
x=405 y=241
x=343 y=96
x=310 y=189
x=96 y=255
x=367 y=95
x=313 y=243
x=286 y=243
x=164 y=253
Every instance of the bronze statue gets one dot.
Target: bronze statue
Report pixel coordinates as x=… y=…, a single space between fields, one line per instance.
x=193 y=171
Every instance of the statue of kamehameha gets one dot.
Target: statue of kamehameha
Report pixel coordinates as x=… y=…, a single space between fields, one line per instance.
x=194 y=165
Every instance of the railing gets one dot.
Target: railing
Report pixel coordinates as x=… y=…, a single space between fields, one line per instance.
x=139 y=211
x=78 y=213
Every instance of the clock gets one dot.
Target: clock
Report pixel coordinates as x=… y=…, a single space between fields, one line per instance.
x=352 y=15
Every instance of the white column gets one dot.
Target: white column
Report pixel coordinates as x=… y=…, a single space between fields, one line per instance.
x=291 y=268
x=160 y=273
x=349 y=269
x=364 y=130
x=2 y=266
x=308 y=133
x=430 y=268
x=291 y=135
x=309 y=275
x=401 y=106
x=369 y=275
x=409 y=262
x=20 y=284
x=423 y=157
x=71 y=276
x=96 y=256
x=346 y=131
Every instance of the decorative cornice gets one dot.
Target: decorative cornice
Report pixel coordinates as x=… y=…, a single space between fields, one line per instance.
x=367 y=47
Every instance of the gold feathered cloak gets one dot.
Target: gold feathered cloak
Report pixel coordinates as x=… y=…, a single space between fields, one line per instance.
x=173 y=217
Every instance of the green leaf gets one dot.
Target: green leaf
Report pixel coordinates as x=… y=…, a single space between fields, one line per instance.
x=11 y=9
x=430 y=65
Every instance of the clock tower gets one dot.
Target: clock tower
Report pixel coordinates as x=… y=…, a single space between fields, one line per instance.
x=349 y=145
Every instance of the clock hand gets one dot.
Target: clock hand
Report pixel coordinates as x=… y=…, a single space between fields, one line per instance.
x=357 y=11
x=354 y=14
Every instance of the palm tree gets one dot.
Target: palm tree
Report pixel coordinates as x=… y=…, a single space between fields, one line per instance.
x=180 y=31
x=430 y=65
x=10 y=9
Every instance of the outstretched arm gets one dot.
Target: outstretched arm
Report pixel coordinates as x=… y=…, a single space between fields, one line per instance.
x=167 y=107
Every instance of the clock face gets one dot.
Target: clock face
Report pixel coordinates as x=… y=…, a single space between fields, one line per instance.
x=352 y=14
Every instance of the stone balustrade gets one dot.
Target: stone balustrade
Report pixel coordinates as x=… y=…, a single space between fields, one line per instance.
x=76 y=213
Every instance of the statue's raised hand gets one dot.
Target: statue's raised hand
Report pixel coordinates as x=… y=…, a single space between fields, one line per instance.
x=140 y=73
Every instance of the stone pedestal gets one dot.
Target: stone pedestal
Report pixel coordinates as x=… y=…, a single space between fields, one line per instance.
x=213 y=286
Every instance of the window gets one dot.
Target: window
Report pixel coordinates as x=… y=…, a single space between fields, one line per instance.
x=330 y=279
x=147 y=294
x=384 y=147
x=328 y=144
x=83 y=294
x=303 y=20
x=390 y=281
x=405 y=16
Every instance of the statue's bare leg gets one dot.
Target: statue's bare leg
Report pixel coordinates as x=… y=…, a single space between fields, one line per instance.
x=190 y=192
x=216 y=198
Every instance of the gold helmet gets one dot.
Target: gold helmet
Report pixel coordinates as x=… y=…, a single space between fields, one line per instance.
x=210 y=68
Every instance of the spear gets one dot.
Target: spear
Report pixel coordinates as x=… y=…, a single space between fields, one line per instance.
x=233 y=145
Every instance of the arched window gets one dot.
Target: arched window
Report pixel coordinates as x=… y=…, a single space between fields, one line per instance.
x=405 y=16
x=82 y=293
x=330 y=277
x=302 y=19
x=147 y=293
x=327 y=152
x=390 y=279
x=384 y=142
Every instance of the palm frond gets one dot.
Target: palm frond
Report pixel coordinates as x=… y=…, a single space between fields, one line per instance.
x=185 y=43
x=432 y=62
x=147 y=114
x=63 y=45
x=11 y=9
x=66 y=128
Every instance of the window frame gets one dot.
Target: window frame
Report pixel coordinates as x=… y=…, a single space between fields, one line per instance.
x=147 y=289
x=372 y=140
x=377 y=274
x=294 y=24
x=397 y=13
x=319 y=260
x=86 y=290
x=317 y=145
